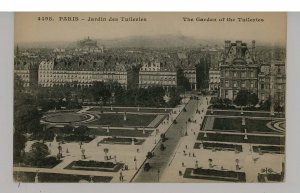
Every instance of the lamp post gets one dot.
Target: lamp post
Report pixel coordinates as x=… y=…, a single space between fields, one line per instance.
x=186 y=128
x=158 y=171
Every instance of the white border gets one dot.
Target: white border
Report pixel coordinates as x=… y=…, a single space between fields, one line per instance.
x=291 y=185
x=149 y=5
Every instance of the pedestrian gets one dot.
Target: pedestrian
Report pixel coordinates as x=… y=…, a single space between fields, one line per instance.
x=194 y=154
x=137 y=150
x=182 y=164
x=121 y=177
x=189 y=154
x=185 y=146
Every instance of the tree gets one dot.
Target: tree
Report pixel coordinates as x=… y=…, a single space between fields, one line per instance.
x=100 y=91
x=242 y=98
x=81 y=131
x=18 y=84
x=19 y=142
x=27 y=119
x=39 y=151
x=253 y=99
x=182 y=82
x=67 y=129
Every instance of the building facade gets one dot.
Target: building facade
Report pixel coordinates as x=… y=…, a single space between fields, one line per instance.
x=155 y=73
x=272 y=76
x=79 y=73
x=238 y=69
x=27 y=71
x=214 y=70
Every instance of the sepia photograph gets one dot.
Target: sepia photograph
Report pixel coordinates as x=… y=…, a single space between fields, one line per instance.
x=149 y=97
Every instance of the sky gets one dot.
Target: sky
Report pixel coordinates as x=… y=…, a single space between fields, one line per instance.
x=271 y=30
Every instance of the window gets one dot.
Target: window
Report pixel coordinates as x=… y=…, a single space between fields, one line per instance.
x=227 y=83
x=226 y=73
x=251 y=84
x=235 y=74
x=252 y=74
x=262 y=96
x=243 y=84
x=262 y=86
x=243 y=74
x=234 y=84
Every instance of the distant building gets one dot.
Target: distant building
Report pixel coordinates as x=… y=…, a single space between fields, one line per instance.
x=88 y=45
x=276 y=69
x=155 y=73
x=27 y=70
x=239 y=69
x=214 y=70
x=80 y=73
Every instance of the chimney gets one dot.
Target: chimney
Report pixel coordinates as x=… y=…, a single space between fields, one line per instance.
x=227 y=46
x=253 y=49
x=239 y=48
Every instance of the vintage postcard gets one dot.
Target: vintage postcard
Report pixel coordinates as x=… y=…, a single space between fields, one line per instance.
x=149 y=97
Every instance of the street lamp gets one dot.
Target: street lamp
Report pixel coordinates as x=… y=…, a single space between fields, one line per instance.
x=186 y=128
x=158 y=171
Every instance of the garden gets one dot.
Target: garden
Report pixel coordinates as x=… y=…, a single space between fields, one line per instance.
x=95 y=166
x=132 y=110
x=219 y=146
x=117 y=120
x=29 y=177
x=212 y=174
x=269 y=149
x=235 y=125
x=66 y=117
x=122 y=141
x=240 y=138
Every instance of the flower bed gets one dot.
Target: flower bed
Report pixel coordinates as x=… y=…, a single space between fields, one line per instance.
x=211 y=174
x=122 y=140
x=270 y=177
x=240 y=139
x=48 y=162
x=219 y=146
x=269 y=149
x=29 y=177
x=95 y=166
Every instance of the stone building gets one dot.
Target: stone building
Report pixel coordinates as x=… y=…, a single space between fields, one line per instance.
x=214 y=70
x=272 y=75
x=157 y=73
x=238 y=69
x=27 y=70
x=80 y=73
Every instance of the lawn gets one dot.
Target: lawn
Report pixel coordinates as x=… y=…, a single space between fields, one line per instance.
x=54 y=177
x=269 y=149
x=235 y=125
x=212 y=174
x=238 y=113
x=219 y=146
x=120 y=132
x=240 y=139
x=94 y=166
x=135 y=109
x=122 y=141
x=117 y=120
x=65 y=117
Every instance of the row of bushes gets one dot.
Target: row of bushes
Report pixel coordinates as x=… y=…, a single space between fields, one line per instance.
x=221 y=174
x=93 y=163
x=219 y=146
